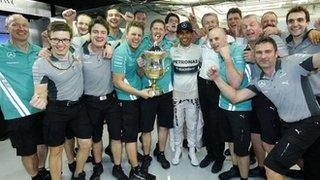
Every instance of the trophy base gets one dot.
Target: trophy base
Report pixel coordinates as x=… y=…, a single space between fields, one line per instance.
x=156 y=91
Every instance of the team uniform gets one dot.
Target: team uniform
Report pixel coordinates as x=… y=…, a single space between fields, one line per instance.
x=161 y=105
x=235 y=117
x=186 y=61
x=209 y=99
x=297 y=108
x=16 y=91
x=264 y=118
x=306 y=47
x=65 y=111
x=99 y=95
x=124 y=61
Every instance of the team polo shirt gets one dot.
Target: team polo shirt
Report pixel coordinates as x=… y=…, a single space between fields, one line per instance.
x=16 y=81
x=165 y=82
x=239 y=64
x=65 y=83
x=115 y=38
x=306 y=47
x=173 y=42
x=96 y=72
x=186 y=61
x=289 y=88
x=124 y=61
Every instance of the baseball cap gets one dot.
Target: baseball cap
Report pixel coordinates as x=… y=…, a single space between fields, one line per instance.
x=186 y=25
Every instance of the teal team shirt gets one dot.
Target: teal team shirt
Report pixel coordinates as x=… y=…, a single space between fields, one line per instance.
x=16 y=68
x=111 y=38
x=165 y=82
x=124 y=61
x=240 y=65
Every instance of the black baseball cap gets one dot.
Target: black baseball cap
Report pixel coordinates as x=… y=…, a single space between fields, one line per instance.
x=186 y=25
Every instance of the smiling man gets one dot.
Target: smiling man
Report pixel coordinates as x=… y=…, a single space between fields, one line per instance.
x=298 y=108
x=186 y=58
x=24 y=122
x=58 y=89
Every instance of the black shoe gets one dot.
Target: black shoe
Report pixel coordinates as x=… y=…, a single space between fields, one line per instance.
x=227 y=152
x=232 y=173
x=44 y=174
x=108 y=152
x=217 y=166
x=146 y=163
x=296 y=174
x=118 y=173
x=137 y=174
x=72 y=167
x=81 y=176
x=156 y=150
x=258 y=172
x=206 y=161
x=97 y=171
x=185 y=144
x=140 y=157
x=90 y=159
x=161 y=158
x=37 y=177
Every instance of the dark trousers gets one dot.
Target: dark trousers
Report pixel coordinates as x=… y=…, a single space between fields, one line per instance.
x=311 y=159
x=3 y=127
x=209 y=100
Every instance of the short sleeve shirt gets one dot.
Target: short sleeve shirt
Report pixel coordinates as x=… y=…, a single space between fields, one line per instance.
x=124 y=61
x=240 y=66
x=16 y=70
x=289 y=88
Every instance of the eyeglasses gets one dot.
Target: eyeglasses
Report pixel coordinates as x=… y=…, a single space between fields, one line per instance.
x=57 y=40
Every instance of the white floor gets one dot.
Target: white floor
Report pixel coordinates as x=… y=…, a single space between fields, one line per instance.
x=11 y=167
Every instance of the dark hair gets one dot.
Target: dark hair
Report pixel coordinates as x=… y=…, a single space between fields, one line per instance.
x=166 y=20
x=113 y=8
x=99 y=20
x=298 y=9
x=233 y=11
x=263 y=40
x=84 y=14
x=157 y=21
x=59 y=26
x=139 y=11
x=135 y=24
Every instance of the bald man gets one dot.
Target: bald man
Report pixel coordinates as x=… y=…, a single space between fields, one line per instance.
x=235 y=117
x=24 y=122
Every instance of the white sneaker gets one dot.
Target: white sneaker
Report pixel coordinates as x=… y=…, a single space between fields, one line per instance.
x=193 y=157
x=177 y=155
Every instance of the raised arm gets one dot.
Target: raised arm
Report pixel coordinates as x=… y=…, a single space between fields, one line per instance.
x=233 y=75
x=229 y=92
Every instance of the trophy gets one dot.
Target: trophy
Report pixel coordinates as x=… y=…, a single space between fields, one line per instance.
x=154 y=66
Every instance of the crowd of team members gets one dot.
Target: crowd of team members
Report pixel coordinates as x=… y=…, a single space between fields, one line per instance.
x=79 y=81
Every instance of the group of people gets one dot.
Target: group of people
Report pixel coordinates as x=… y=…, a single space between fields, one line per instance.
x=250 y=85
